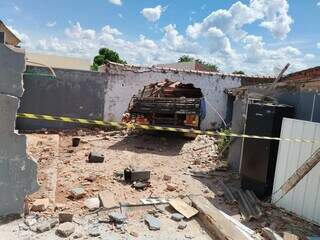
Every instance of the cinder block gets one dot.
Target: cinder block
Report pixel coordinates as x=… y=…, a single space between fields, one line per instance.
x=96 y=157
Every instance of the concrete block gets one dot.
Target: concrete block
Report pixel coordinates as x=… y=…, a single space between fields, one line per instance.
x=77 y=193
x=153 y=223
x=12 y=62
x=65 y=217
x=92 y=203
x=95 y=157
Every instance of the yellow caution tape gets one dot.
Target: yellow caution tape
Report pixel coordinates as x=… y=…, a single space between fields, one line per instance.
x=157 y=128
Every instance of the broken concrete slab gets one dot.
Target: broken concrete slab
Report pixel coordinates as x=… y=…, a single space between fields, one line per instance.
x=215 y=222
x=65 y=229
x=153 y=223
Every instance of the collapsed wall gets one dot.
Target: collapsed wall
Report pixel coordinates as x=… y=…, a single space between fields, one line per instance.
x=17 y=172
x=124 y=81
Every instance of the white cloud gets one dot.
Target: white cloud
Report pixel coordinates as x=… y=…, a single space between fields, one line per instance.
x=273 y=15
x=116 y=2
x=218 y=42
x=76 y=32
x=153 y=14
x=318 y=45
x=16 y=8
x=318 y=4
x=148 y=43
x=51 y=24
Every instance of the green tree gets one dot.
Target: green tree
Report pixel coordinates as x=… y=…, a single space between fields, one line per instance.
x=106 y=54
x=239 y=72
x=186 y=58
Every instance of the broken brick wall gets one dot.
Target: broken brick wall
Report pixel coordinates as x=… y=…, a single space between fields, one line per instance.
x=18 y=173
x=124 y=81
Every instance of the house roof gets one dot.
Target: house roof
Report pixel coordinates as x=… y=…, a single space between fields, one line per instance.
x=53 y=61
x=10 y=38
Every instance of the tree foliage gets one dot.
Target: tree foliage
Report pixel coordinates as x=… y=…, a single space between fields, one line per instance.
x=239 y=72
x=207 y=66
x=186 y=58
x=106 y=54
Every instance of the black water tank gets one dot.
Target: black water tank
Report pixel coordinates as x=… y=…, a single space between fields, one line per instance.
x=259 y=156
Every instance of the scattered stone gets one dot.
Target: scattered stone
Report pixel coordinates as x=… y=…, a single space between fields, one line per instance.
x=166 y=177
x=94 y=232
x=77 y=193
x=92 y=203
x=40 y=205
x=23 y=226
x=107 y=199
x=171 y=187
x=205 y=190
x=153 y=223
x=65 y=229
x=91 y=178
x=177 y=217
x=77 y=235
x=134 y=234
x=65 y=217
x=182 y=226
x=43 y=227
x=59 y=206
x=117 y=217
x=160 y=208
x=30 y=221
x=119 y=226
x=95 y=157
x=188 y=236
x=53 y=222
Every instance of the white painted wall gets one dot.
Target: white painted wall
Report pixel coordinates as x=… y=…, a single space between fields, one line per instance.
x=304 y=198
x=125 y=81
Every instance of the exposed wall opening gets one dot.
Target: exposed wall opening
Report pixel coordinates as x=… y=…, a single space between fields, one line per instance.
x=167 y=103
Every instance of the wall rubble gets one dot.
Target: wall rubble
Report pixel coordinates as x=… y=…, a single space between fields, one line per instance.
x=18 y=173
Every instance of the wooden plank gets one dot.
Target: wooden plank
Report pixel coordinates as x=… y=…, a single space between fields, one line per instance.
x=216 y=223
x=290 y=236
x=107 y=200
x=183 y=208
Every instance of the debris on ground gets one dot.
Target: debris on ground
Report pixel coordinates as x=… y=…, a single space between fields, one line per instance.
x=65 y=229
x=96 y=200
x=95 y=157
x=183 y=208
x=153 y=223
x=40 y=205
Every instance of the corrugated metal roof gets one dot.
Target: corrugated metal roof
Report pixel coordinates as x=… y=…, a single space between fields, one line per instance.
x=303 y=199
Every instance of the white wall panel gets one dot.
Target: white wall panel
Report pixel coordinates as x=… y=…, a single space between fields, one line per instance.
x=303 y=199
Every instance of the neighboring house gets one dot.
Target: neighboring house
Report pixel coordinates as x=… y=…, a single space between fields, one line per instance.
x=184 y=66
x=40 y=60
x=7 y=36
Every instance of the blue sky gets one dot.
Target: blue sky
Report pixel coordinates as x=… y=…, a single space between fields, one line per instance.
x=257 y=36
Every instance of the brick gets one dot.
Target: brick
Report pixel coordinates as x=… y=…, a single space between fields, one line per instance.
x=40 y=205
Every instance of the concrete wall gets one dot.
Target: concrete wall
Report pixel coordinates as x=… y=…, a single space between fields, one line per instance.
x=73 y=93
x=17 y=171
x=125 y=81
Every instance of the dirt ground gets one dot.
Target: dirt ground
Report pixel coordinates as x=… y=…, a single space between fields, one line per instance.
x=62 y=167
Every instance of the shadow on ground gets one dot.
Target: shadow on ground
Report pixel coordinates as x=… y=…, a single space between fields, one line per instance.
x=158 y=143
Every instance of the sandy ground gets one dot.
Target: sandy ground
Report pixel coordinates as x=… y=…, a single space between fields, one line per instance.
x=63 y=167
